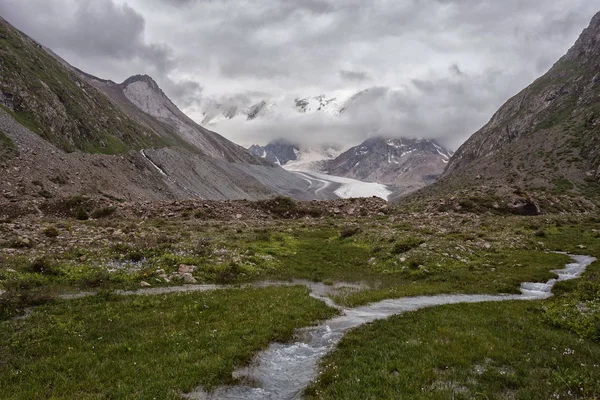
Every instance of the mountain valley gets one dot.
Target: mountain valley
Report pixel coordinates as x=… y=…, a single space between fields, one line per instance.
x=144 y=255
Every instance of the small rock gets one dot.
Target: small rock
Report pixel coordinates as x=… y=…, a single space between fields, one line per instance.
x=144 y=284
x=580 y=246
x=187 y=269
x=160 y=272
x=25 y=241
x=372 y=260
x=402 y=259
x=188 y=278
x=238 y=216
x=582 y=308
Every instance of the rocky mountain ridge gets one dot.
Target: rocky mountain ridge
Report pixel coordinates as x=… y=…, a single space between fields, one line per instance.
x=279 y=151
x=406 y=164
x=294 y=156
x=545 y=141
x=57 y=116
x=55 y=103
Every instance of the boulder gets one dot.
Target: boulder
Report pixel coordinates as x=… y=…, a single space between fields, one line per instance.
x=188 y=278
x=522 y=206
x=186 y=269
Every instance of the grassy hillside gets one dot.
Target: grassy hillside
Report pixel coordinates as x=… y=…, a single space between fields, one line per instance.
x=7 y=148
x=49 y=99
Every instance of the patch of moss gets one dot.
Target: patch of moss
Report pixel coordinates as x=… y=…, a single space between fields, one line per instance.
x=25 y=118
x=562 y=185
x=7 y=148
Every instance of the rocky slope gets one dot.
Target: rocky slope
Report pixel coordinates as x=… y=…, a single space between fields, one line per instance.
x=55 y=103
x=407 y=164
x=145 y=94
x=278 y=151
x=54 y=116
x=546 y=139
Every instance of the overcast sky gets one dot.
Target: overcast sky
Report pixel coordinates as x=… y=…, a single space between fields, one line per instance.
x=442 y=67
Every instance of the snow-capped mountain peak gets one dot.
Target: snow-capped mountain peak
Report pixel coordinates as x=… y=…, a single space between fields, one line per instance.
x=215 y=111
x=292 y=156
x=405 y=163
x=408 y=163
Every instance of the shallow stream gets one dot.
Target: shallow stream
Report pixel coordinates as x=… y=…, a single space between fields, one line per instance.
x=283 y=371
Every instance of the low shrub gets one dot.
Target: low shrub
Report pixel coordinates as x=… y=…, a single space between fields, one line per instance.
x=406 y=244
x=103 y=212
x=43 y=266
x=51 y=232
x=349 y=231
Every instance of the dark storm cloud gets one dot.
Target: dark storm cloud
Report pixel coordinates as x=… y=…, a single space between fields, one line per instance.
x=88 y=28
x=439 y=68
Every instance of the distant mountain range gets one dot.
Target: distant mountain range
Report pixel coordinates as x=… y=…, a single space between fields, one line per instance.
x=215 y=111
x=405 y=164
x=64 y=132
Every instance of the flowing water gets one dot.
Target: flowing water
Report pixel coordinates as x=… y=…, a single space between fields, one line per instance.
x=282 y=371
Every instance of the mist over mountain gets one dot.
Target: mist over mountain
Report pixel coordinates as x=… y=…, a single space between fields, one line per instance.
x=434 y=70
x=420 y=109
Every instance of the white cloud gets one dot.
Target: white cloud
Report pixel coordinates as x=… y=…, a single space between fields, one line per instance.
x=450 y=63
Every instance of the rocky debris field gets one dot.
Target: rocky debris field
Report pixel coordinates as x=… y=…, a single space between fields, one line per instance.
x=82 y=207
